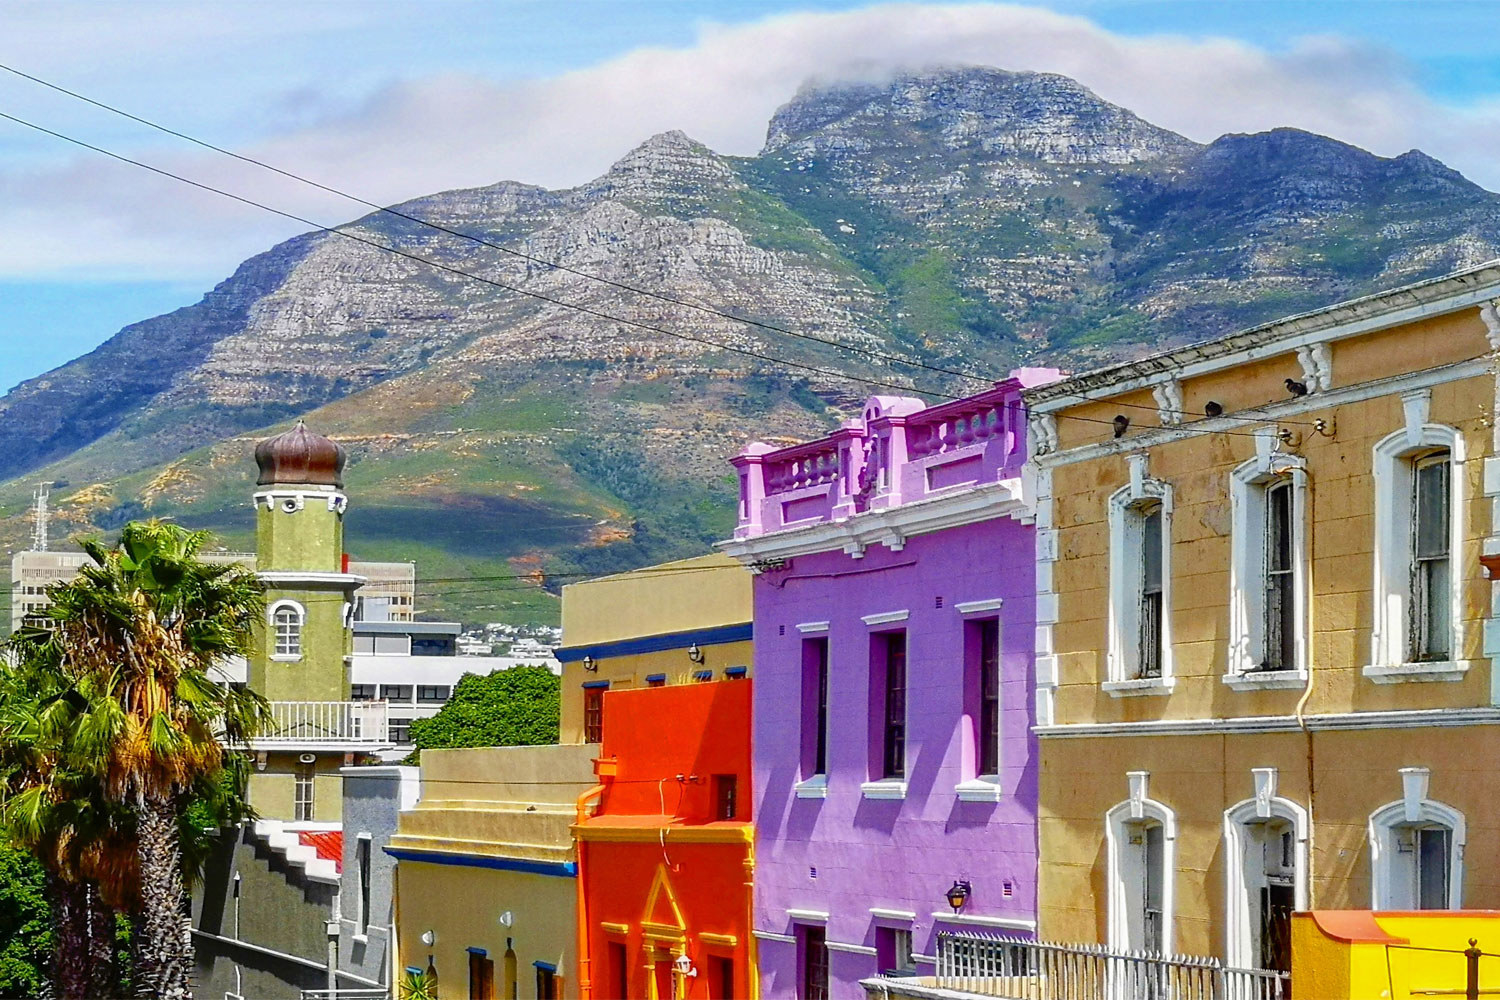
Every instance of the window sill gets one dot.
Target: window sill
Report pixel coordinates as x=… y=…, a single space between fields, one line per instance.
x=985 y=788
x=285 y=657
x=815 y=787
x=887 y=788
x=1396 y=673
x=1139 y=686
x=1267 y=680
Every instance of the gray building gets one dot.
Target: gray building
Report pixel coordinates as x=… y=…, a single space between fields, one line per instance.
x=373 y=800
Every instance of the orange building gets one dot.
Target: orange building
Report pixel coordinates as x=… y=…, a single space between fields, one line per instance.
x=666 y=860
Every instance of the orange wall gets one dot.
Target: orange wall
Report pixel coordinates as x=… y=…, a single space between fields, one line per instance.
x=656 y=734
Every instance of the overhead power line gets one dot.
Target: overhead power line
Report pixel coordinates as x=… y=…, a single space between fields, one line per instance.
x=557 y=265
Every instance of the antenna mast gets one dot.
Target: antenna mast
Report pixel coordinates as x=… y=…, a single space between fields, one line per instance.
x=39 y=516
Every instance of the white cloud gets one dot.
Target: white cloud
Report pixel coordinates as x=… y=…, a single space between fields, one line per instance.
x=434 y=132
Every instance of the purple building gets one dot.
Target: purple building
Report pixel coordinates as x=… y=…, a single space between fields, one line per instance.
x=895 y=623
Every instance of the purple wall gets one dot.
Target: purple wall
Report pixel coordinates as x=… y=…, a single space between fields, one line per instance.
x=847 y=853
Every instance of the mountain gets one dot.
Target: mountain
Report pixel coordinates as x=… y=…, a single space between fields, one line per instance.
x=969 y=218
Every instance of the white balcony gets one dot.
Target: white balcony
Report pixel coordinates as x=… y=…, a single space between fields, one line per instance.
x=326 y=725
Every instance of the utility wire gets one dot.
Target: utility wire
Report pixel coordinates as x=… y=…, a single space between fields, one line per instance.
x=624 y=286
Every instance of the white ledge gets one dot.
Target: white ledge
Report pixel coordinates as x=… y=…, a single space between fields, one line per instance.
x=773 y=936
x=985 y=788
x=1396 y=673
x=974 y=607
x=1138 y=686
x=886 y=617
x=853 y=949
x=886 y=788
x=815 y=787
x=813 y=627
x=285 y=657
x=1267 y=680
x=808 y=916
x=881 y=913
x=1009 y=923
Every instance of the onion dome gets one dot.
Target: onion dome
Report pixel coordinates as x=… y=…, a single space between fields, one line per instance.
x=300 y=456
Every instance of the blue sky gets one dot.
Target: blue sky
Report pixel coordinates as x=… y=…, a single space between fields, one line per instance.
x=394 y=100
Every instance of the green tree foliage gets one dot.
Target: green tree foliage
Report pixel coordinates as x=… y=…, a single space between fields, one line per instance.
x=25 y=926
x=507 y=708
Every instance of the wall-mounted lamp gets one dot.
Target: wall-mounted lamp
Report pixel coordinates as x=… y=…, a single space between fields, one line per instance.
x=695 y=654
x=684 y=966
x=590 y=664
x=507 y=919
x=958 y=894
x=429 y=938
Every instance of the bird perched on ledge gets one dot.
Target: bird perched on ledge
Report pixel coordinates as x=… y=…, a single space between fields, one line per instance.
x=1296 y=388
x=1121 y=423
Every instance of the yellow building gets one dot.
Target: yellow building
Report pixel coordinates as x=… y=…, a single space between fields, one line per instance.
x=486 y=880
x=1265 y=679
x=673 y=623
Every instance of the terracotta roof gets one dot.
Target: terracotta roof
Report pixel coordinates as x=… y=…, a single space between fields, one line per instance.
x=328 y=843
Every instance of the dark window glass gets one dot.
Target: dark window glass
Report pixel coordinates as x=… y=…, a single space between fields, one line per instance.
x=399 y=730
x=894 y=750
x=814 y=707
x=656 y=682
x=619 y=966
x=546 y=984
x=1155 y=877
x=721 y=977
x=726 y=794
x=593 y=715
x=1432 y=851
x=814 y=964
x=1149 y=662
x=362 y=692
x=362 y=857
x=989 y=696
x=1431 y=587
x=1281 y=607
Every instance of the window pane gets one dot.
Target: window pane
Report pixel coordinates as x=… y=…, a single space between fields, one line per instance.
x=1432 y=868
x=1279 y=527
x=1155 y=881
x=895 y=705
x=1435 y=597
x=1151 y=549
x=989 y=696
x=1432 y=509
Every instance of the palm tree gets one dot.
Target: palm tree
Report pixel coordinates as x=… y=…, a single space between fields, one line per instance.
x=143 y=629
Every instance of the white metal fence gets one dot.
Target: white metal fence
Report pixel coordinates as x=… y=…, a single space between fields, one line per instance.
x=1016 y=969
x=312 y=722
x=347 y=994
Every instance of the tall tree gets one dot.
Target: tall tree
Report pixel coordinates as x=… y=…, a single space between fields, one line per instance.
x=141 y=632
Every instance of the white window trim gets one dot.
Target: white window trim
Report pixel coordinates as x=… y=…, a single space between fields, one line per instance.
x=814 y=787
x=1393 y=485
x=1134 y=809
x=1247 y=570
x=1237 y=924
x=981 y=788
x=271 y=611
x=1412 y=809
x=885 y=788
x=1123 y=600
x=360 y=917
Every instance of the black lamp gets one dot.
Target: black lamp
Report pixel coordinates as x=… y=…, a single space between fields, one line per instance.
x=590 y=664
x=958 y=894
x=695 y=654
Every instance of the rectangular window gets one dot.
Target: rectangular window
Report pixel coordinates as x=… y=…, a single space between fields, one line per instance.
x=656 y=680
x=814 y=964
x=1432 y=846
x=362 y=860
x=893 y=950
x=364 y=644
x=481 y=976
x=726 y=794
x=814 y=707
x=398 y=730
x=432 y=692
x=302 y=794
x=593 y=714
x=392 y=645
x=361 y=692
x=987 y=701
x=546 y=983
x=891 y=669
x=288 y=632
x=1281 y=600
x=720 y=977
x=619 y=970
x=396 y=692
x=1431 y=586
x=1150 y=638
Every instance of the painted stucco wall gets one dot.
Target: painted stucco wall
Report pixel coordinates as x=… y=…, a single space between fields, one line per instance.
x=847 y=854
x=273 y=790
x=311 y=538
x=373 y=800
x=670 y=597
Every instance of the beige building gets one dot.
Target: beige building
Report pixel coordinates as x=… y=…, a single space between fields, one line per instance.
x=1265 y=678
x=673 y=623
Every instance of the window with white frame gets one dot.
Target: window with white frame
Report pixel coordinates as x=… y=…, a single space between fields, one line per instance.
x=1418 y=519
x=1140 y=640
x=1268 y=567
x=1416 y=851
x=302 y=793
x=1265 y=842
x=286 y=629
x=1141 y=837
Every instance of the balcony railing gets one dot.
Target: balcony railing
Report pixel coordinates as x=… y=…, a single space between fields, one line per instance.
x=298 y=723
x=993 y=966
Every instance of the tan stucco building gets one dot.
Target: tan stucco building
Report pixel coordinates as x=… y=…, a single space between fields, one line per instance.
x=1265 y=678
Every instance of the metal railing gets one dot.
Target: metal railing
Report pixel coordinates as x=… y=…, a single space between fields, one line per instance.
x=1017 y=969
x=311 y=722
x=347 y=994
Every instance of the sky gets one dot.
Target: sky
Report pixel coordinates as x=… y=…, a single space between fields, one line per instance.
x=392 y=100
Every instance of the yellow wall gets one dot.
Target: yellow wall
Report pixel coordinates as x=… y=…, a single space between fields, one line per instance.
x=702 y=592
x=272 y=791
x=1395 y=955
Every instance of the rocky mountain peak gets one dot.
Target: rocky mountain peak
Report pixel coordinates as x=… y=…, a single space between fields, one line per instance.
x=1041 y=115
x=665 y=165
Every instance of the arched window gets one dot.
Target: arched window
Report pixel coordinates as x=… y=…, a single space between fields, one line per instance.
x=1416 y=850
x=286 y=630
x=1268 y=573
x=1265 y=841
x=1140 y=585
x=1141 y=836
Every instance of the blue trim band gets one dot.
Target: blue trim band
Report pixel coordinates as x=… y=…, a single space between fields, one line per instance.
x=658 y=643
x=590 y=685
x=562 y=869
x=478 y=951
x=653 y=678
x=736 y=671
x=545 y=965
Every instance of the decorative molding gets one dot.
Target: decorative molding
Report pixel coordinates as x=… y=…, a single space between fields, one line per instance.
x=1489 y=312
x=886 y=788
x=1267 y=680
x=722 y=940
x=812 y=627
x=974 y=607
x=1264 y=805
x=1168 y=396
x=881 y=913
x=293 y=500
x=982 y=789
x=1400 y=719
x=1317 y=368
x=1415 y=807
x=1136 y=687
x=1118 y=819
x=853 y=949
x=815 y=787
x=1138 y=784
x=807 y=916
x=886 y=617
x=773 y=936
x=1043 y=436
x=1007 y=923
x=315 y=579
x=1398 y=673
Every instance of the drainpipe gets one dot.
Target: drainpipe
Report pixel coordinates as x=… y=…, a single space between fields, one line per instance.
x=752 y=960
x=1312 y=678
x=585 y=978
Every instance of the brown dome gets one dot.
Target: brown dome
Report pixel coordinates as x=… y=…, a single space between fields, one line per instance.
x=300 y=456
